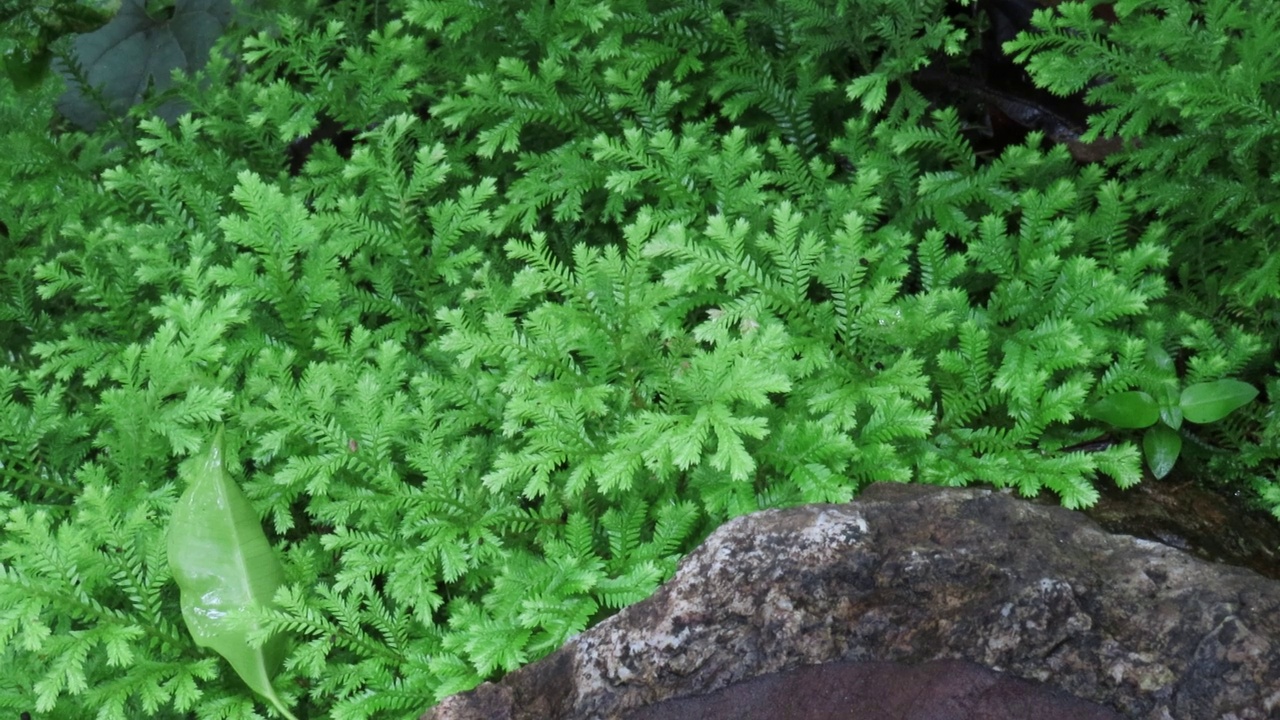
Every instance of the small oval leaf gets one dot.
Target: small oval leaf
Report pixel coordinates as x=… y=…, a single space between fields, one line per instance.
x=1159 y=358
x=1133 y=409
x=1161 y=444
x=1212 y=401
x=226 y=571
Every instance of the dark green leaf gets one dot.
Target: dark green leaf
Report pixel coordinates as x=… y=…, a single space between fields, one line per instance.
x=1134 y=409
x=136 y=51
x=26 y=70
x=1161 y=444
x=1212 y=401
x=160 y=9
x=226 y=571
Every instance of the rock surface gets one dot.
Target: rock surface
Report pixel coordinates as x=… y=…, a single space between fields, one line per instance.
x=938 y=690
x=1185 y=514
x=913 y=575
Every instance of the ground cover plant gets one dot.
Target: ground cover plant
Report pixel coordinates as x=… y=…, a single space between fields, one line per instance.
x=491 y=311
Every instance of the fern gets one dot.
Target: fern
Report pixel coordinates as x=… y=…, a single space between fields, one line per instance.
x=1192 y=89
x=580 y=282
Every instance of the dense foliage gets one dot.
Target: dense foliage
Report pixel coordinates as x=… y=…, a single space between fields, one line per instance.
x=582 y=281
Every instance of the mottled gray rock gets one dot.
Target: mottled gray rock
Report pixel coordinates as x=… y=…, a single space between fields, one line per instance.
x=911 y=575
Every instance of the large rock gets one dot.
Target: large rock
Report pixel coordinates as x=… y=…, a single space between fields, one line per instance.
x=917 y=602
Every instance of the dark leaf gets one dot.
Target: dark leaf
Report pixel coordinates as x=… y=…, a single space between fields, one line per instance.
x=135 y=52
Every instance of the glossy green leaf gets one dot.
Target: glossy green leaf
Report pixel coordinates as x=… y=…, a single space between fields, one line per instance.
x=226 y=571
x=1159 y=358
x=1134 y=409
x=1167 y=393
x=1212 y=401
x=1161 y=444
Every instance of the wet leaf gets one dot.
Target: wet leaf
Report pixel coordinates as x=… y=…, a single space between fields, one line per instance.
x=1212 y=401
x=226 y=571
x=1132 y=409
x=1162 y=445
x=1171 y=415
